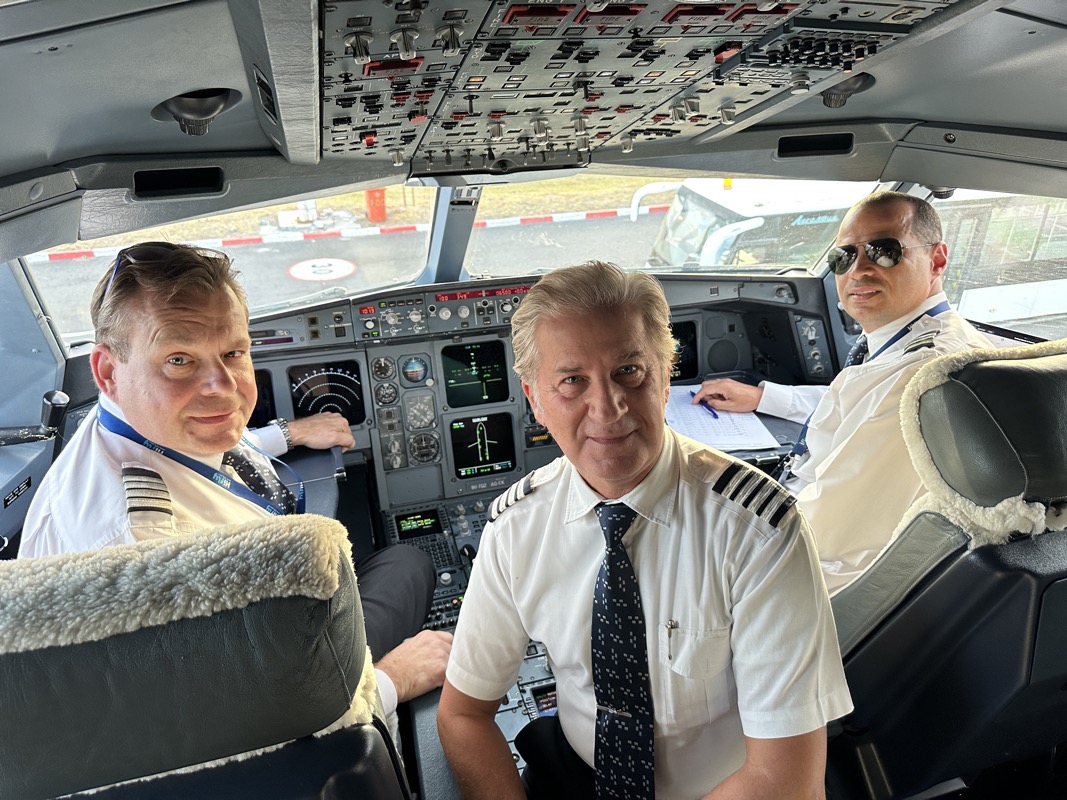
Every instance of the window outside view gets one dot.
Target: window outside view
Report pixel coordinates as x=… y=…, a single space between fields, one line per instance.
x=288 y=255
x=1005 y=255
x=1004 y=250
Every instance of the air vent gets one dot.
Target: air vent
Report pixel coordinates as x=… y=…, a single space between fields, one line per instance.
x=266 y=95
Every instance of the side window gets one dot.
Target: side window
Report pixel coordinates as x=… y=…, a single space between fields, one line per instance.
x=1006 y=256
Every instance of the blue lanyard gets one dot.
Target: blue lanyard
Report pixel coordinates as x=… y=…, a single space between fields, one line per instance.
x=116 y=425
x=940 y=308
x=801 y=447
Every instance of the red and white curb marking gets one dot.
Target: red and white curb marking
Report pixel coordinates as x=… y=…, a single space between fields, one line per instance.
x=350 y=233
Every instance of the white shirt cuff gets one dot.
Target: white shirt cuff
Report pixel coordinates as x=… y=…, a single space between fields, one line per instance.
x=272 y=440
x=794 y=403
x=387 y=691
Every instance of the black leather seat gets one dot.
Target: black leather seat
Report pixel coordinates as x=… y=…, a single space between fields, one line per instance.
x=954 y=641
x=231 y=664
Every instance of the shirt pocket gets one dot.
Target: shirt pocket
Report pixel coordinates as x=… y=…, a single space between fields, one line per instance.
x=697 y=682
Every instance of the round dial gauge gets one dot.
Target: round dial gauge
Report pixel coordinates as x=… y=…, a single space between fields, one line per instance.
x=386 y=393
x=414 y=369
x=383 y=368
x=419 y=412
x=425 y=448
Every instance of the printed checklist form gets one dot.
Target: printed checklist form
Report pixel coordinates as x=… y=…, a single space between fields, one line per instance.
x=725 y=430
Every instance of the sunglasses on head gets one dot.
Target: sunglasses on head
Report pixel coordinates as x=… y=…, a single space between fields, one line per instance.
x=147 y=252
x=885 y=252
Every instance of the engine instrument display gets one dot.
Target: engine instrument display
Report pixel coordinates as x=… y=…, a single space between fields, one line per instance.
x=475 y=373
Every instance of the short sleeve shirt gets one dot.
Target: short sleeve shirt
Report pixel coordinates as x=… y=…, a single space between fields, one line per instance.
x=720 y=552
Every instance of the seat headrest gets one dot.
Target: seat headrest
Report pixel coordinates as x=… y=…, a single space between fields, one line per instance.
x=84 y=597
x=987 y=433
x=140 y=659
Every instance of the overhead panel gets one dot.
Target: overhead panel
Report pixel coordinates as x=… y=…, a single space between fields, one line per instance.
x=506 y=86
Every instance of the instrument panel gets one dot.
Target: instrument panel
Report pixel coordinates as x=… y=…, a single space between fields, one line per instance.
x=425 y=375
x=425 y=378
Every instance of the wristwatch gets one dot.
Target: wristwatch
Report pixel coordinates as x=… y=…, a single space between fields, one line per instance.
x=283 y=426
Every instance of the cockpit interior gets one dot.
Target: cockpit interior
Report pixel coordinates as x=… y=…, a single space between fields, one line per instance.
x=125 y=116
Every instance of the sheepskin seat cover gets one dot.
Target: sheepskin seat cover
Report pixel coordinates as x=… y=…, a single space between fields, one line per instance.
x=987 y=433
x=140 y=659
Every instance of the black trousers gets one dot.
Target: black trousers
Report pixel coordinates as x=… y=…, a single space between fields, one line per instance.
x=396 y=589
x=553 y=770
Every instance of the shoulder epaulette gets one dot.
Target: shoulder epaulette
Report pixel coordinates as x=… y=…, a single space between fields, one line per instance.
x=921 y=341
x=756 y=491
x=145 y=491
x=512 y=495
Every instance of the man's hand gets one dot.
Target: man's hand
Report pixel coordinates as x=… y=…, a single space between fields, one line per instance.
x=726 y=394
x=322 y=431
x=417 y=665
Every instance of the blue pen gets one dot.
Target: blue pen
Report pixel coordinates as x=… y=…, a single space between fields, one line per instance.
x=706 y=407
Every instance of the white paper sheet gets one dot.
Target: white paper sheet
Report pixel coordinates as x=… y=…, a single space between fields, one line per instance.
x=730 y=431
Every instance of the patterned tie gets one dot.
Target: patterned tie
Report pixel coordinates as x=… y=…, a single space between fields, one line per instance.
x=858 y=351
x=624 y=722
x=263 y=482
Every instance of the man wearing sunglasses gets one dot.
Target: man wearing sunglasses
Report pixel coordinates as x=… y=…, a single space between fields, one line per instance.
x=851 y=472
x=166 y=451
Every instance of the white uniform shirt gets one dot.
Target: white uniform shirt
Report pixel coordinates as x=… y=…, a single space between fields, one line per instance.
x=81 y=503
x=755 y=651
x=857 y=479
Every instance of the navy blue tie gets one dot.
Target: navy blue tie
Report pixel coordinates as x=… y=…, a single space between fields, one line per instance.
x=624 y=721
x=858 y=352
x=263 y=482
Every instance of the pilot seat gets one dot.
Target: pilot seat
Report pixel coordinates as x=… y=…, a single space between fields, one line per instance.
x=954 y=640
x=231 y=664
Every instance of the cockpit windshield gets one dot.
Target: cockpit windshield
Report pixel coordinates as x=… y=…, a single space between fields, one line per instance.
x=331 y=248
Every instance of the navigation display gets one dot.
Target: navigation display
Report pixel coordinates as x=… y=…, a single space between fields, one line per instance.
x=328 y=386
x=483 y=445
x=475 y=373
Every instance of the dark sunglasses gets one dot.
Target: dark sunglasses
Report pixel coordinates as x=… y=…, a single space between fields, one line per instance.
x=147 y=252
x=883 y=252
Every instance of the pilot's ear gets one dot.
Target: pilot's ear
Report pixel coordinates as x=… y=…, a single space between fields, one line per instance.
x=103 y=362
x=529 y=392
x=939 y=255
